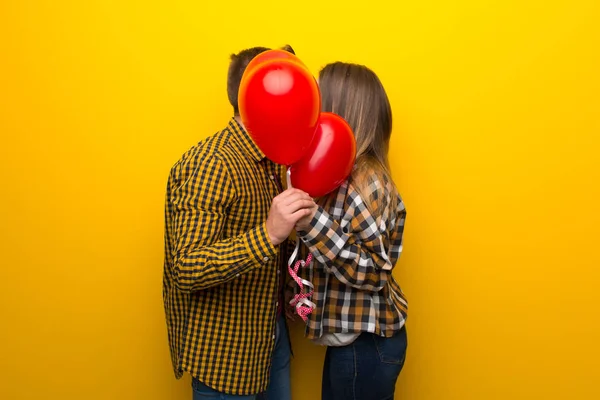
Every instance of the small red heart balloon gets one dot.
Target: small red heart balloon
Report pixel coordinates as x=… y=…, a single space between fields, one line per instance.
x=329 y=160
x=279 y=103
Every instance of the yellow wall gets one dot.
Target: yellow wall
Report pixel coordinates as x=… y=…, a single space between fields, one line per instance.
x=497 y=116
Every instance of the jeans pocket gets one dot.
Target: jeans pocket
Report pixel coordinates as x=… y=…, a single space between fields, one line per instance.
x=391 y=350
x=201 y=391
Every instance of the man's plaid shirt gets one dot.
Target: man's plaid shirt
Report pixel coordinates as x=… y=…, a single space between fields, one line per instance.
x=354 y=257
x=221 y=271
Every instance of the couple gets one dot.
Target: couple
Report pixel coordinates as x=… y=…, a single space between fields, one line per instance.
x=228 y=222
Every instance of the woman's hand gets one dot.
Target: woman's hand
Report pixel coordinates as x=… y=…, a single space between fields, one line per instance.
x=303 y=224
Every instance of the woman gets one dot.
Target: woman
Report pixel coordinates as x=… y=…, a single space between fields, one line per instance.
x=355 y=236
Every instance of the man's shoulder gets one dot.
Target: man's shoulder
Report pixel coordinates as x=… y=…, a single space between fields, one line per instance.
x=212 y=148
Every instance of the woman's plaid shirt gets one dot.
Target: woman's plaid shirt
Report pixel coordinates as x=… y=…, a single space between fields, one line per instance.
x=355 y=254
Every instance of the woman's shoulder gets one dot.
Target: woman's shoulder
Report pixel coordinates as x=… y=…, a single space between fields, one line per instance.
x=378 y=191
x=375 y=186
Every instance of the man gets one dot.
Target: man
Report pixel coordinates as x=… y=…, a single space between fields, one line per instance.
x=227 y=221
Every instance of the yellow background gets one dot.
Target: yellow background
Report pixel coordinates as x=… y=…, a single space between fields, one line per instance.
x=495 y=150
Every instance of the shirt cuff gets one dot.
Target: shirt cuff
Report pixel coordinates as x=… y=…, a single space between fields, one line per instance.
x=325 y=238
x=259 y=246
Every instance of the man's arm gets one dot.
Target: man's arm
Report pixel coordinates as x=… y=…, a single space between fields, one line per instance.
x=198 y=212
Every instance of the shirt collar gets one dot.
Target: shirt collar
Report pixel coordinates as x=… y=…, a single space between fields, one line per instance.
x=245 y=141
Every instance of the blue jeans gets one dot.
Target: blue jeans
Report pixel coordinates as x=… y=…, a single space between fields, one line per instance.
x=367 y=369
x=279 y=387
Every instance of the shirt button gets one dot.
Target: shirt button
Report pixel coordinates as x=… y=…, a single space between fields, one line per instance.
x=273 y=337
x=272 y=177
x=278 y=272
x=277 y=304
x=266 y=259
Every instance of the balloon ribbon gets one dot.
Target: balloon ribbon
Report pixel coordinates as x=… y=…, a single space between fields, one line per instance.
x=300 y=300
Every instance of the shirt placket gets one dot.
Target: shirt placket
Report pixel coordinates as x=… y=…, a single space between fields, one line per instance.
x=276 y=187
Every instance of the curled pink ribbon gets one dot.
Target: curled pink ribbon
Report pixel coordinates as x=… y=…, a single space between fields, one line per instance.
x=301 y=300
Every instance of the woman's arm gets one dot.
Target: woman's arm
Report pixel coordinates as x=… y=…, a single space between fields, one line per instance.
x=360 y=250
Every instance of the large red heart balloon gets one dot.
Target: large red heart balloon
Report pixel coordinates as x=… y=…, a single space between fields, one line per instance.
x=276 y=54
x=279 y=103
x=329 y=160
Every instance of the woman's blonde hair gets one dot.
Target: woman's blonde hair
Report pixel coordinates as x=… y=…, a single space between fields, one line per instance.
x=355 y=93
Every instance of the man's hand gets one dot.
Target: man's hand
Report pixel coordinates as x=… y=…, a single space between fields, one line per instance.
x=286 y=210
x=303 y=223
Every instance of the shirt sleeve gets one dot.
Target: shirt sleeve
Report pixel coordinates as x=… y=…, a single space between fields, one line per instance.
x=199 y=197
x=354 y=249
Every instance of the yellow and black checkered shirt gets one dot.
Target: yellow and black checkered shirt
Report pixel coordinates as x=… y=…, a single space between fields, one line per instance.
x=221 y=272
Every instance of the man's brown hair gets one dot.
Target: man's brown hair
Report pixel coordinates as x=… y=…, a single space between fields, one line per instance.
x=237 y=66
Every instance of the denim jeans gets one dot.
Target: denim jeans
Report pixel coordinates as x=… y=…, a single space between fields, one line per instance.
x=202 y=392
x=367 y=369
x=279 y=387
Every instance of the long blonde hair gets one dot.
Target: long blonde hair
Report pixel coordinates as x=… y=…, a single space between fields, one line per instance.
x=355 y=93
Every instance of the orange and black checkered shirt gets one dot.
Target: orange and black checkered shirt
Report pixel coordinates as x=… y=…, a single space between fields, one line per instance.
x=221 y=272
x=355 y=253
